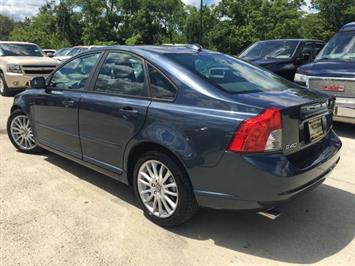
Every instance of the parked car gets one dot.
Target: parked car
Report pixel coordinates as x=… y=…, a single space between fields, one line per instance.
x=333 y=72
x=19 y=63
x=186 y=127
x=49 y=52
x=75 y=51
x=284 y=56
x=61 y=53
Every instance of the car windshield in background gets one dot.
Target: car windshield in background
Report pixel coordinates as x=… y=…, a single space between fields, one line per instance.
x=229 y=74
x=10 y=49
x=270 y=49
x=340 y=47
x=62 y=52
x=75 y=51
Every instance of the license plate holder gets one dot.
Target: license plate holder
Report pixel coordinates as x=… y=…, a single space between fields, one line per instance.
x=316 y=129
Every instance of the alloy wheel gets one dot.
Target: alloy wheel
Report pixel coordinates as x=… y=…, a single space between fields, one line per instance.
x=157 y=188
x=21 y=132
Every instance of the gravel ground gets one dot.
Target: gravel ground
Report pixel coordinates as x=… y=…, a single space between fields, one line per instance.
x=55 y=212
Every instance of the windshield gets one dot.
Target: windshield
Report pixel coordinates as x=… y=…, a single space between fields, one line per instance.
x=270 y=49
x=340 y=47
x=12 y=49
x=62 y=52
x=77 y=50
x=230 y=74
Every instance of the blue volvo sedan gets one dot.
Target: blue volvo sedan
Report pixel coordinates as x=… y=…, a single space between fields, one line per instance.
x=186 y=127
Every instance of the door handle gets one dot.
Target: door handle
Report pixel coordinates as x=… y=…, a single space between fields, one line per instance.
x=68 y=102
x=128 y=110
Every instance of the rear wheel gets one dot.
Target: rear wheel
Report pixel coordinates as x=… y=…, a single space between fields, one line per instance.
x=20 y=133
x=163 y=189
x=4 y=90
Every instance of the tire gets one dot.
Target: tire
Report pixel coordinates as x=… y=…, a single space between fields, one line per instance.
x=177 y=183
x=4 y=90
x=17 y=126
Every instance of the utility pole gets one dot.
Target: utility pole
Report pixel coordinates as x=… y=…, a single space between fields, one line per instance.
x=201 y=22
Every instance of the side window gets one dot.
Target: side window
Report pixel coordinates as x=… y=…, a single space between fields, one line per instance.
x=75 y=74
x=121 y=74
x=161 y=87
x=307 y=52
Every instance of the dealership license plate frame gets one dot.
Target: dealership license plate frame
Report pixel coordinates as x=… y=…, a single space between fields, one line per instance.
x=316 y=129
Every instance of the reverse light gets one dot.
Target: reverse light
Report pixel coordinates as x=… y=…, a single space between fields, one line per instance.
x=261 y=133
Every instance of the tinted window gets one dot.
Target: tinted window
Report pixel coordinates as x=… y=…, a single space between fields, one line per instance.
x=307 y=52
x=20 y=50
x=161 y=87
x=270 y=49
x=230 y=74
x=75 y=73
x=121 y=74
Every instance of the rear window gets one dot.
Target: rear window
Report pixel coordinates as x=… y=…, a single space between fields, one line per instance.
x=230 y=74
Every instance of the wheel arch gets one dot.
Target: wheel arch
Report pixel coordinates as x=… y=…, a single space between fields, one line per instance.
x=143 y=147
x=16 y=107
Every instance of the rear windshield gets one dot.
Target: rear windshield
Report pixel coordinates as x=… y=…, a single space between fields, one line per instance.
x=230 y=74
x=10 y=49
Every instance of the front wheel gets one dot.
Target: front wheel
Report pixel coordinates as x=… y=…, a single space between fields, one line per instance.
x=4 y=90
x=163 y=189
x=20 y=133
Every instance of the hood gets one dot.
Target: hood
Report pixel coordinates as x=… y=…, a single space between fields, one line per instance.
x=269 y=61
x=329 y=68
x=280 y=99
x=29 y=60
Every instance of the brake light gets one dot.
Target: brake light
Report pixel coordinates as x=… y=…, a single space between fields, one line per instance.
x=259 y=134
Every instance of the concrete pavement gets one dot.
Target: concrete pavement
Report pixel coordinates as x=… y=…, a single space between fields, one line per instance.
x=56 y=212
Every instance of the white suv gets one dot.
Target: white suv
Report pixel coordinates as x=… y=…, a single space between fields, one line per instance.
x=19 y=63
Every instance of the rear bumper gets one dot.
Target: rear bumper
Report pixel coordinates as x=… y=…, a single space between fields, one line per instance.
x=344 y=110
x=242 y=182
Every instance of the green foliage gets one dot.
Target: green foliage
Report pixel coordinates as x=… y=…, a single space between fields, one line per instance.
x=230 y=26
x=6 y=26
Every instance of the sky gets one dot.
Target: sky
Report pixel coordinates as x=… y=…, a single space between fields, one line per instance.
x=19 y=9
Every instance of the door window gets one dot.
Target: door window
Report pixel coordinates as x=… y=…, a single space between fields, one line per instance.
x=75 y=74
x=307 y=52
x=121 y=74
x=161 y=87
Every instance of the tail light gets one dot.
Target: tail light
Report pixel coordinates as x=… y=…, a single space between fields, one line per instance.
x=261 y=133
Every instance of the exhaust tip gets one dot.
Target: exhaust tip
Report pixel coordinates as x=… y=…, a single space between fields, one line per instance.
x=271 y=214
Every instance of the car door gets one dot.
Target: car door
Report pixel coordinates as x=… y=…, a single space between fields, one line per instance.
x=55 y=111
x=114 y=109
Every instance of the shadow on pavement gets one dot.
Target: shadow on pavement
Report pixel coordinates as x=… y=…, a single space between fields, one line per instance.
x=108 y=184
x=345 y=130
x=311 y=228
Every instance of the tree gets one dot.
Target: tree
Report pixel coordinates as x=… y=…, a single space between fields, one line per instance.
x=6 y=26
x=336 y=13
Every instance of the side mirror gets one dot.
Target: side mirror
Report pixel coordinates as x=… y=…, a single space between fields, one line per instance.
x=38 y=83
x=50 y=55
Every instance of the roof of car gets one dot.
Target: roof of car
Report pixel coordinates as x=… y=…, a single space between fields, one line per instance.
x=158 y=49
x=348 y=27
x=298 y=40
x=11 y=42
